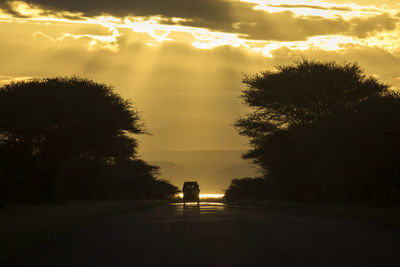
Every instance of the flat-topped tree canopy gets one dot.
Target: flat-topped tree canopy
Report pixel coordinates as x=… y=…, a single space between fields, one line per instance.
x=47 y=121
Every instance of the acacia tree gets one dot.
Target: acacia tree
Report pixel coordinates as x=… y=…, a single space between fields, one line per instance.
x=323 y=131
x=46 y=121
x=300 y=95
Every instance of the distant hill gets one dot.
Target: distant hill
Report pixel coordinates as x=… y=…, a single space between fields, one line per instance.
x=213 y=169
x=205 y=150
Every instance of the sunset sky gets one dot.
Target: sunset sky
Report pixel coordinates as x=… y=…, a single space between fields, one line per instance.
x=182 y=61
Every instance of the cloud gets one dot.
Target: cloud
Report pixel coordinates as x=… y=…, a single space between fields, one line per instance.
x=337 y=8
x=206 y=9
x=257 y=31
x=232 y=17
x=364 y=27
x=285 y=26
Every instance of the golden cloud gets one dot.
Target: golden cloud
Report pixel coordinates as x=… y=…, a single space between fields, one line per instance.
x=254 y=25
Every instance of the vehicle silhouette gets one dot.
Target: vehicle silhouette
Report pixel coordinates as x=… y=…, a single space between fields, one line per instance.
x=191 y=192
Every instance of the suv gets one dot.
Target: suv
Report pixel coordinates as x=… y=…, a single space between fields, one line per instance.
x=191 y=192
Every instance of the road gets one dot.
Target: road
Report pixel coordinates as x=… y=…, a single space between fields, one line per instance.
x=221 y=235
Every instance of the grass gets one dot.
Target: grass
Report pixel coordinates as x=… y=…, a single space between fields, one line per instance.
x=24 y=228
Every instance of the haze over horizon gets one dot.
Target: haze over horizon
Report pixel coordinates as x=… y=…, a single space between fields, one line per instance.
x=182 y=62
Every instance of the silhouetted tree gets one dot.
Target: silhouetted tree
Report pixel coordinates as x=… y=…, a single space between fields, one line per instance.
x=247 y=188
x=324 y=131
x=46 y=121
x=301 y=95
x=128 y=179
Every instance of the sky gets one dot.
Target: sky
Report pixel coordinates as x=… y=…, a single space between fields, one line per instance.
x=182 y=61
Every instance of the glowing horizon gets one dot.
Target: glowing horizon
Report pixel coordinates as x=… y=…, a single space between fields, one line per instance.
x=204 y=196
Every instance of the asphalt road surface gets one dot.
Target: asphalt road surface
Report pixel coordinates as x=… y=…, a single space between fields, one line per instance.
x=220 y=235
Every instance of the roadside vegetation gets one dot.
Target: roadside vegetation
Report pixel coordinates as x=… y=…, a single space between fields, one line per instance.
x=71 y=138
x=320 y=132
